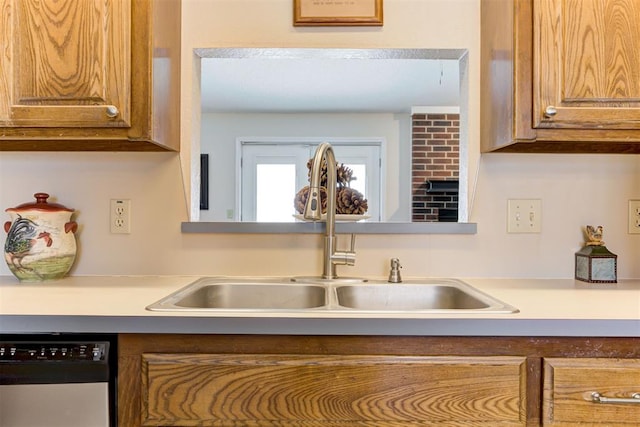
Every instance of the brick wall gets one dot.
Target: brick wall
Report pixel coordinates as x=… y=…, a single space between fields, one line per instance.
x=435 y=156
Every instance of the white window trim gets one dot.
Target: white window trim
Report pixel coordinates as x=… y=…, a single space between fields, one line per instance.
x=270 y=140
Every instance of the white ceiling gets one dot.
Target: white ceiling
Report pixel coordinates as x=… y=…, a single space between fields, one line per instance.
x=304 y=84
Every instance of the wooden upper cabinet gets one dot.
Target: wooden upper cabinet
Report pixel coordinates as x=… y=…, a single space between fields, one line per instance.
x=68 y=64
x=560 y=76
x=89 y=75
x=587 y=56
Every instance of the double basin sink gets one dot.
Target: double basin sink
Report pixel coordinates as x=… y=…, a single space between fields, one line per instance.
x=308 y=294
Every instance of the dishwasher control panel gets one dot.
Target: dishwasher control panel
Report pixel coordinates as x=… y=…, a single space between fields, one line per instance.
x=53 y=362
x=53 y=351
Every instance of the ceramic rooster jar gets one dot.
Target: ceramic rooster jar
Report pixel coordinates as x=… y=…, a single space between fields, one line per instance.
x=41 y=243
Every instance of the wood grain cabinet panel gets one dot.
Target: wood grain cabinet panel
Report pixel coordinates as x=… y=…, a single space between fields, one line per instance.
x=569 y=384
x=560 y=76
x=335 y=390
x=587 y=57
x=67 y=64
x=89 y=75
x=323 y=380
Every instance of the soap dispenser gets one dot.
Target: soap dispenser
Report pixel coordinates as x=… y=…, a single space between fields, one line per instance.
x=394 y=272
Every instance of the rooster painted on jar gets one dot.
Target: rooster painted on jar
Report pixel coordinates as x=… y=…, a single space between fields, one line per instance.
x=40 y=243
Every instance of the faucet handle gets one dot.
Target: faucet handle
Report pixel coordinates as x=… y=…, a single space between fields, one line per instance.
x=346 y=257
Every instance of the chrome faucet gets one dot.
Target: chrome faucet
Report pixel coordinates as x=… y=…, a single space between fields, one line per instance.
x=313 y=211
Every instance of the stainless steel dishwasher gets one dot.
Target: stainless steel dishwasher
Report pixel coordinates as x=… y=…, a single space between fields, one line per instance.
x=57 y=380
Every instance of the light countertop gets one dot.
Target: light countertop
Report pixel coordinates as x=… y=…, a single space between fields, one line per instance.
x=90 y=304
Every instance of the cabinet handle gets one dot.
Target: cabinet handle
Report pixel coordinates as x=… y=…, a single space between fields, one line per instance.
x=550 y=111
x=598 y=398
x=112 y=111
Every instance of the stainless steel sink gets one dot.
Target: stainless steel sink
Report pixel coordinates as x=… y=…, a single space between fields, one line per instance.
x=216 y=294
x=438 y=296
x=407 y=297
x=292 y=294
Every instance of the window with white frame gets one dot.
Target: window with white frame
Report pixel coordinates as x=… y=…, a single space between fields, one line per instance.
x=273 y=171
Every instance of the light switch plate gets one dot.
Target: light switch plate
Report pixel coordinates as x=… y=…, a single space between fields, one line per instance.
x=524 y=216
x=634 y=216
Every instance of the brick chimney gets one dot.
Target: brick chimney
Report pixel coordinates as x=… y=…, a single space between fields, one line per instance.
x=435 y=158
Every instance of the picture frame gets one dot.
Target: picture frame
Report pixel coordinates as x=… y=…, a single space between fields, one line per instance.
x=337 y=13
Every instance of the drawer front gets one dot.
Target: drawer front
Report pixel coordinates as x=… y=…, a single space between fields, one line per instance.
x=297 y=390
x=569 y=385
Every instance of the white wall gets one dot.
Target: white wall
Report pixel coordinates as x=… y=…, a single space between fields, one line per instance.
x=220 y=131
x=575 y=189
x=420 y=24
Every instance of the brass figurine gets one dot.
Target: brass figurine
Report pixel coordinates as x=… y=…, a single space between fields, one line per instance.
x=594 y=235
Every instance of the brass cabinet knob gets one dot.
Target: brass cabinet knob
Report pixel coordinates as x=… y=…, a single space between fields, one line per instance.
x=112 y=111
x=550 y=111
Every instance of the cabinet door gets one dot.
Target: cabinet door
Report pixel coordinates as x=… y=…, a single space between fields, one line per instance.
x=586 y=64
x=65 y=63
x=570 y=384
x=304 y=390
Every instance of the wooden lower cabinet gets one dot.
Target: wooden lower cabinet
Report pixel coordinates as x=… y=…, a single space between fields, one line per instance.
x=570 y=387
x=270 y=380
x=335 y=390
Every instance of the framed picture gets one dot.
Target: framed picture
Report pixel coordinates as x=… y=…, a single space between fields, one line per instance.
x=337 y=12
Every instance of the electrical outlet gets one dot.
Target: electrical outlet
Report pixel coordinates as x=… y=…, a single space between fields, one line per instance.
x=524 y=215
x=120 y=216
x=634 y=216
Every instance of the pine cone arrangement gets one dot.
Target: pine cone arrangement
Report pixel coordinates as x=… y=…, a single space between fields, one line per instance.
x=344 y=174
x=301 y=199
x=323 y=172
x=351 y=202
